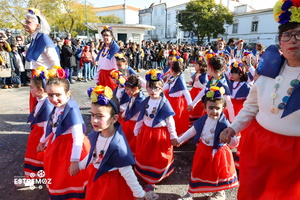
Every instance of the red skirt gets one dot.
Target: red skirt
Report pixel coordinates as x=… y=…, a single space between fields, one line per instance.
x=181 y=117
x=269 y=165
x=110 y=185
x=32 y=100
x=128 y=128
x=105 y=79
x=212 y=173
x=198 y=110
x=56 y=165
x=33 y=161
x=154 y=154
x=237 y=105
x=121 y=119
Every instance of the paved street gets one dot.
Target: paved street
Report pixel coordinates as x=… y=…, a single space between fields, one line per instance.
x=14 y=131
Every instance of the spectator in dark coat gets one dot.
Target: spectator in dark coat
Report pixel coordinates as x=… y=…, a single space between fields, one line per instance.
x=68 y=58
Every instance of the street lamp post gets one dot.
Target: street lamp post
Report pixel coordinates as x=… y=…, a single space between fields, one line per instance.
x=86 y=20
x=226 y=34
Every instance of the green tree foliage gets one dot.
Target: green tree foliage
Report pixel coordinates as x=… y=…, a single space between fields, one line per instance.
x=62 y=15
x=111 y=19
x=205 y=18
x=12 y=13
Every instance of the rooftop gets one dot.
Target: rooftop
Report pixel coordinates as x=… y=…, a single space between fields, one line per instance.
x=116 y=7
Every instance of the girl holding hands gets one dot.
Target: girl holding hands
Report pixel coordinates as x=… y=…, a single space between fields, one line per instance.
x=213 y=166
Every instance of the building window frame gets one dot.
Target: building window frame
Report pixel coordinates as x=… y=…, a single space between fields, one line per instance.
x=235 y=28
x=254 y=26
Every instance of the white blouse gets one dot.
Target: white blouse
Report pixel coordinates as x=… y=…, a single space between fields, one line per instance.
x=168 y=122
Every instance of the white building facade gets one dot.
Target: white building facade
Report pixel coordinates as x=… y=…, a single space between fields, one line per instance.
x=249 y=24
x=164 y=17
x=128 y=14
x=254 y=26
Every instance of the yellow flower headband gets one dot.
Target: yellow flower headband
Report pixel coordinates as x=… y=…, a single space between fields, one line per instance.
x=238 y=65
x=120 y=56
x=154 y=75
x=58 y=72
x=287 y=11
x=119 y=76
x=208 y=54
x=214 y=92
x=108 y=27
x=177 y=58
x=221 y=40
x=173 y=52
x=102 y=95
x=42 y=73
x=35 y=12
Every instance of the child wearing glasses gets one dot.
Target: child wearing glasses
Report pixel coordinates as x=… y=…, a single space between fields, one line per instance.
x=155 y=129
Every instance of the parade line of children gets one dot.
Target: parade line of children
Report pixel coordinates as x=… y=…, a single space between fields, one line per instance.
x=128 y=126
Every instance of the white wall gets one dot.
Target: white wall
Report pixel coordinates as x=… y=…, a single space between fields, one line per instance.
x=130 y=33
x=158 y=20
x=119 y=13
x=132 y=17
x=266 y=32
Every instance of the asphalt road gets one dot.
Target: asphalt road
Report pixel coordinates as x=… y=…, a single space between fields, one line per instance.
x=14 y=131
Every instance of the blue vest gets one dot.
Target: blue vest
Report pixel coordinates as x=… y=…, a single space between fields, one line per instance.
x=221 y=125
x=136 y=106
x=42 y=115
x=118 y=153
x=164 y=110
x=70 y=116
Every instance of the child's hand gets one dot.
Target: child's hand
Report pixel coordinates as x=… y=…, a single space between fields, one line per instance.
x=41 y=147
x=175 y=142
x=74 y=168
x=190 y=107
x=225 y=135
x=150 y=195
x=190 y=83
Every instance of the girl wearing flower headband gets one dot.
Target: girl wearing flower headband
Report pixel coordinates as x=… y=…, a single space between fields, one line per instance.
x=216 y=69
x=238 y=85
x=239 y=88
x=213 y=166
x=106 y=59
x=269 y=164
x=122 y=63
x=119 y=92
x=38 y=118
x=179 y=96
x=120 y=79
x=155 y=128
x=199 y=80
x=249 y=62
x=66 y=142
x=109 y=162
x=133 y=90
